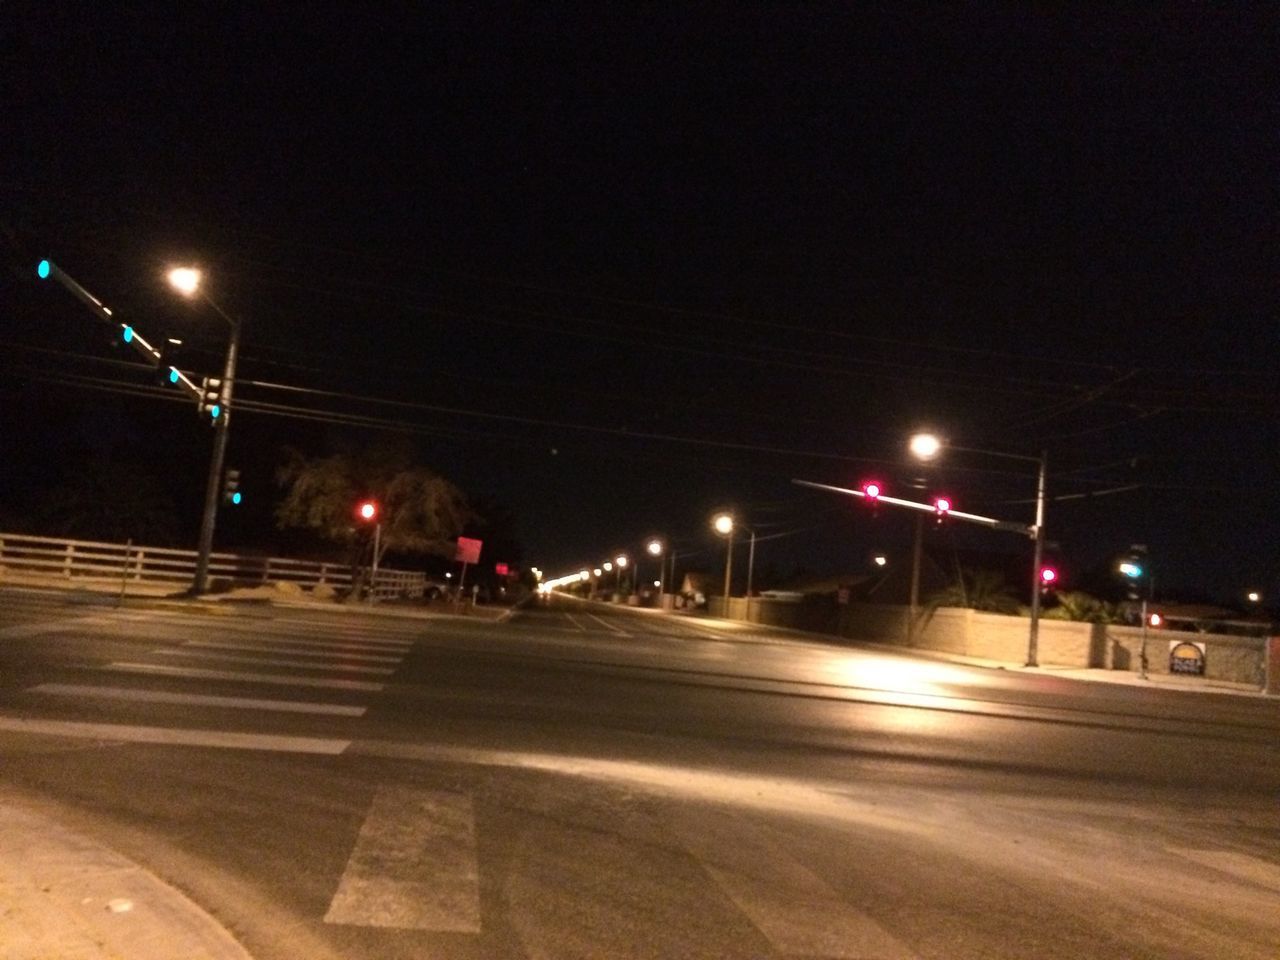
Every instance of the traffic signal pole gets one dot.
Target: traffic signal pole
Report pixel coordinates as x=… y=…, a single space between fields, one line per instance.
x=1033 y=633
x=222 y=424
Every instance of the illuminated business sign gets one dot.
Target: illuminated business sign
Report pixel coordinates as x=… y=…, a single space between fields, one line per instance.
x=1187 y=657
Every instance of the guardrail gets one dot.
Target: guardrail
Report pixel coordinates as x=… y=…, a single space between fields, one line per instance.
x=89 y=563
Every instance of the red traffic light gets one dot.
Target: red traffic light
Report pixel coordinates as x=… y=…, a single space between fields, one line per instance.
x=1048 y=576
x=871 y=490
x=942 y=505
x=367 y=510
x=1155 y=619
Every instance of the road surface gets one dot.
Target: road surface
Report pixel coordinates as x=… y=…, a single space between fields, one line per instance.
x=588 y=781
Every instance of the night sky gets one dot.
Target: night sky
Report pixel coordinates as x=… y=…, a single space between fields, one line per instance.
x=623 y=265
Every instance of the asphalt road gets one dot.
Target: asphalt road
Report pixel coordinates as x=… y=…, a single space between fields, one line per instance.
x=588 y=781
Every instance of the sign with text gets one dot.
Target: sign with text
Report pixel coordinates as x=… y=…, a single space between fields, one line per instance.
x=468 y=550
x=1186 y=656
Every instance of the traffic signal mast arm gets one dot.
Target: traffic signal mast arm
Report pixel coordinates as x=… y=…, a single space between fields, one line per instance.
x=50 y=270
x=992 y=522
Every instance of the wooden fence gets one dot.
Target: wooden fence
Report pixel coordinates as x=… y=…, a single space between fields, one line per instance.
x=89 y=563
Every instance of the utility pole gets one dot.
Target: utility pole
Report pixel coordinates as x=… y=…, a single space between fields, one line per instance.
x=209 y=518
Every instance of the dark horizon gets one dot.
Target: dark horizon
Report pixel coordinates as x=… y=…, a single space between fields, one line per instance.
x=625 y=270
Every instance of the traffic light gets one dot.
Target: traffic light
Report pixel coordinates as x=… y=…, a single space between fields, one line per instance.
x=1048 y=579
x=210 y=397
x=231 y=486
x=871 y=490
x=1133 y=567
x=166 y=371
x=1155 y=619
x=367 y=510
x=43 y=269
x=942 y=506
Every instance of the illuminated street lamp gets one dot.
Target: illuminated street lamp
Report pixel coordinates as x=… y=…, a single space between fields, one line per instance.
x=723 y=525
x=619 y=564
x=188 y=282
x=655 y=549
x=1254 y=596
x=927 y=446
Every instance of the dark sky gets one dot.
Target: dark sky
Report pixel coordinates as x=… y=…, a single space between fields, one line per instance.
x=633 y=263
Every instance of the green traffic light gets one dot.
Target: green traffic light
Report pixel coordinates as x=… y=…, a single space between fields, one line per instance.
x=215 y=410
x=43 y=268
x=235 y=497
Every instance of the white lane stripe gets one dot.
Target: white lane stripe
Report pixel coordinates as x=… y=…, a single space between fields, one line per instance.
x=574 y=620
x=196 y=699
x=414 y=865
x=370 y=646
x=788 y=902
x=1242 y=866
x=606 y=624
x=23 y=630
x=292 y=651
x=277 y=679
x=386 y=649
x=174 y=737
x=217 y=657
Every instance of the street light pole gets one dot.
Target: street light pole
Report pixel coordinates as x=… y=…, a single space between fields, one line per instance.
x=1033 y=636
x=209 y=518
x=751 y=566
x=926 y=446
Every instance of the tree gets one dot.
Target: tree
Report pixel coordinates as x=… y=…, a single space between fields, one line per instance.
x=420 y=511
x=978 y=590
x=107 y=499
x=1082 y=607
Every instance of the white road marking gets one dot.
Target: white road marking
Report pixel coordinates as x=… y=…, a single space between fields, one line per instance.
x=1242 y=866
x=414 y=865
x=574 y=620
x=174 y=737
x=293 y=651
x=278 y=679
x=788 y=903
x=608 y=626
x=379 y=646
x=23 y=630
x=273 y=661
x=197 y=699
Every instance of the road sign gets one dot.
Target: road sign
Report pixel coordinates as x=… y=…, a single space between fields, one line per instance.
x=468 y=550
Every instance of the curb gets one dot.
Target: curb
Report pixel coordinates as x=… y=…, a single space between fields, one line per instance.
x=68 y=896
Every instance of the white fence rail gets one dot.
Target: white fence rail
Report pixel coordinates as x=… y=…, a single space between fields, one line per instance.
x=90 y=563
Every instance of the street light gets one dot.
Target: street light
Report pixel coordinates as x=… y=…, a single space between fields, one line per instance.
x=188 y=281
x=723 y=525
x=655 y=549
x=620 y=563
x=926 y=446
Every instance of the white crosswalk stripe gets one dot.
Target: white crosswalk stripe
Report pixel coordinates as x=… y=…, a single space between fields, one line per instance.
x=325 y=657
x=292 y=651
x=196 y=699
x=414 y=865
x=221 y=657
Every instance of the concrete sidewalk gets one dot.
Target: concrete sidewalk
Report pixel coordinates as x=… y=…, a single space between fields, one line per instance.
x=64 y=895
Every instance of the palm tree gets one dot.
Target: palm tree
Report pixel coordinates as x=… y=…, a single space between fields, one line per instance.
x=1083 y=608
x=978 y=590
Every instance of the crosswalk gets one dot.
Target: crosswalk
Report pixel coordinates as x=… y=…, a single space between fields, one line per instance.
x=226 y=667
